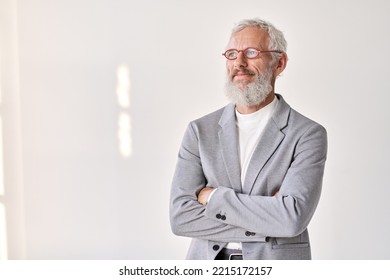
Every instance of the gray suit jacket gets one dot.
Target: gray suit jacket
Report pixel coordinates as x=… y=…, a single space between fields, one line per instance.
x=289 y=157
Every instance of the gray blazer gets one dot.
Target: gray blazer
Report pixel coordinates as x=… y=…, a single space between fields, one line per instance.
x=290 y=157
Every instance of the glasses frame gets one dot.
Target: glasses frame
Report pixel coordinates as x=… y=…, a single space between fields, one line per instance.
x=243 y=51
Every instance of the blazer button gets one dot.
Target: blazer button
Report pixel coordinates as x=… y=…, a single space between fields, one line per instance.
x=223 y=217
x=216 y=247
x=248 y=233
x=218 y=216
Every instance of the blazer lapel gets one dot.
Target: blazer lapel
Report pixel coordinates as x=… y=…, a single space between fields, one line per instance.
x=228 y=140
x=269 y=142
x=267 y=145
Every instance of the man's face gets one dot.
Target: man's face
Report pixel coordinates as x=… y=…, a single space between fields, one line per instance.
x=243 y=71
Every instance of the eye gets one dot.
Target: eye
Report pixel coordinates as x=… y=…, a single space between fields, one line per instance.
x=231 y=54
x=251 y=53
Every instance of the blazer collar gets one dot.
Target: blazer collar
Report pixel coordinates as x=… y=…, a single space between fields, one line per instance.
x=269 y=142
x=282 y=113
x=228 y=139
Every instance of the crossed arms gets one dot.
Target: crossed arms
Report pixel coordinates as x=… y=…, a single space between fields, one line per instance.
x=284 y=214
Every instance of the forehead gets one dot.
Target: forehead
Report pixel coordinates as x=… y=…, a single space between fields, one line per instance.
x=249 y=37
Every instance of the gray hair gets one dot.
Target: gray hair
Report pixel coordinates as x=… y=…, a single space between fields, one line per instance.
x=276 y=37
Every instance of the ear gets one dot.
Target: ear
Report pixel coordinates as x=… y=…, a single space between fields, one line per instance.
x=281 y=64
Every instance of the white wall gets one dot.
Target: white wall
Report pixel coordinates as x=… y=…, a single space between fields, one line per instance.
x=12 y=222
x=82 y=199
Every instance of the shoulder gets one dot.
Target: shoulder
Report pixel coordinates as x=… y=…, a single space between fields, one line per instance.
x=288 y=118
x=214 y=119
x=301 y=120
x=206 y=128
x=305 y=132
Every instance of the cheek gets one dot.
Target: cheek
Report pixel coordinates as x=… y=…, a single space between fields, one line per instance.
x=259 y=69
x=229 y=66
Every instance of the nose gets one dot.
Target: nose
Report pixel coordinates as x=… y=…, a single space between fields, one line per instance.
x=240 y=62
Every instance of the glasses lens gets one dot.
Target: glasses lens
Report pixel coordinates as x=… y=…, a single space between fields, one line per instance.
x=231 y=54
x=251 y=53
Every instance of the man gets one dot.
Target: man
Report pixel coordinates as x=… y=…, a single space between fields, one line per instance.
x=248 y=177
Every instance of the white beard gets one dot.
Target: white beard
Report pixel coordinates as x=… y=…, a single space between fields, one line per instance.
x=252 y=94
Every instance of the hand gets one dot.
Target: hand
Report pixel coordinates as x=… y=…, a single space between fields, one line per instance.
x=204 y=194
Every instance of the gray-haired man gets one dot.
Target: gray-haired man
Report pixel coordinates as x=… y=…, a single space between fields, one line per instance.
x=249 y=176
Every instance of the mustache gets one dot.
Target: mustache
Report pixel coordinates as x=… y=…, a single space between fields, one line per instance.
x=243 y=71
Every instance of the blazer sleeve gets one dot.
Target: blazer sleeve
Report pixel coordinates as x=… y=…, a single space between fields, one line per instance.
x=289 y=213
x=187 y=216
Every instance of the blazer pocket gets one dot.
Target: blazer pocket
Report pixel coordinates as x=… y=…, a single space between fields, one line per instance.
x=290 y=245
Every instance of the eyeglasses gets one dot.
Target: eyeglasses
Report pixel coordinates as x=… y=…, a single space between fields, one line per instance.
x=250 y=53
